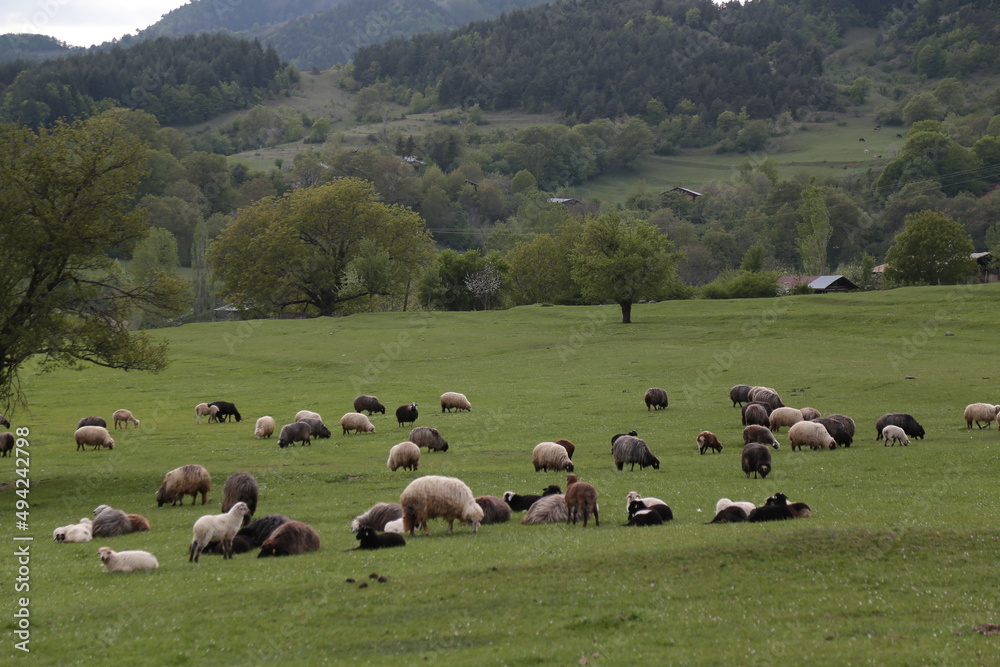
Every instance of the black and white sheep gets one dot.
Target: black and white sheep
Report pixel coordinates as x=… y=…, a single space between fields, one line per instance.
x=837 y=430
x=901 y=419
x=264 y=427
x=92 y=421
x=644 y=517
x=187 y=480
x=550 y=456
x=290 y=539
x=96 y=436
x=317 y=428
x=630 y=449
x=240 y=486
x=407 y=414
x=405 y=455
x=109 y=522
x=452 y=400
x=377 y=516
x=425 y=436
x=226 y=410
x=494 y=509
x=756 y=459
x=756 y=413
x=436 y=496
x=642 y=506
x=646 y=501
x=581 y=501
x=369 y=404
x=7 y=441
x=357 y=422
x=127 y=561
x=217 y=527
x=548 y=509
x=708 y=440
x=776 y=509
x=295 y=432
x=369 y=539
x=895 y=434
x=740 y=394
x=519 y=503
x=981 y=412
x=125 y=417
x=812 y=434
x=655 y=398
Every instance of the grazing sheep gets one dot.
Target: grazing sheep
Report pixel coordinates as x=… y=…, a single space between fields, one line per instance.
x=756 y=413
x=290 y=539
x=295 y=432
x=761 y=434
x=581 y=501
x=629 y=449
x=837 y=430
x=109 y=522
x=264 y=428
x=740 y=394
x=808 y=414
x=896 y=434
x=655 y=398
x=179 y=482
x=902 y=420
x=226 y=410
x=407 y=414
x=377 y=516
x=776 y=509
x=357 y=422
x=766 y=395
x=723 y=503
x=730 y=514
x=127 y=561
x=784 y=417
x=92 y=421
x=369 y=404
x=812 y=434
x=316 y=427
x=494 y=509
x=518 y=503
x=454 y=400
x=307 y=414
x=140 y=524
x=124 y=417
x=548 y=509
x=75 y=532
x=568 y=446
x=369 y=539
x=708 y=440
x=206 y=410
x=756 y=459
x=434 y=496
x=220 y=527
x=7 y=441
x=549 y=455
x=981 y=412
x=425 y=436
x=96 y=436
x=240 y=486
x=614 y=438
x=405 y=455
x=848 y=423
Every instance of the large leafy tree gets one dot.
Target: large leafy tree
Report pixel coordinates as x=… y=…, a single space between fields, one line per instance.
x=295 y=251
x=932 y=249
x=66 y=201
x=623 y=260
x=814 y=231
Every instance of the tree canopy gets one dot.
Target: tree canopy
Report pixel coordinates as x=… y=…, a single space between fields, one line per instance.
x=932 y=249
x=67 y=200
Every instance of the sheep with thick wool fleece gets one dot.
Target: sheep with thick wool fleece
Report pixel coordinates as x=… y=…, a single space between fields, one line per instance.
x=377 y=516
x=7 y=441
x=581 y=501
x=217 y=527
x=127 y=561
x=547 y=509
x=294 y=432
x=784 y=416
x=656 y=398
x=707 y=440
x=290 y=539
x=96 y=436
x=407 y=414
x=92 y=421
x=190 y=480
x=521 y=503
x=264 y=427
x=812 y=434
x=357 y=422
x=75 y=532
x=756 y=413
x=109 y=522
x=453 y=400
x=140 y=524
x=901 y=419
x=982 y=412
x=756 y=459
x=436 y=496
x=808 y=414
x=630 y=449
x=896 y=434
x=761 y=434
x=405 y=455
x=494 y=509
x=740 y=394
x=240 y=486
x=431 y=438
x=369 y=404
x=307 y=414
x=316 y=427
x=551 y=456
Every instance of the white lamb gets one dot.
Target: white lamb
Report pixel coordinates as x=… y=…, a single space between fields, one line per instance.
x=217 y=528
x=127 y=561
x=75 y=532
x=395 y=526
x=896 y=433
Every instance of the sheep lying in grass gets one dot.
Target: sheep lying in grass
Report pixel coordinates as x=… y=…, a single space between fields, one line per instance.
x=655 y=515
x=139 y=523
x=290 y=539
x=982 y=412
x=377 y=516
x=127 y=561
x=75 y=532
x=581 y=501
x=252 y=536
x=896 y=434
x=730 y=514
x=434 y=496
x=109 y=522
x=519 y=503
x=494 y=509
x=723 y=503
x=776 y=509
x=221 y=527
x=369 y=539
x=646 y=501
x=547 y=509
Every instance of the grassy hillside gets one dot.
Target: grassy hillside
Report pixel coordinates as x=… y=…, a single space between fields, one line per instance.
x=895 y=566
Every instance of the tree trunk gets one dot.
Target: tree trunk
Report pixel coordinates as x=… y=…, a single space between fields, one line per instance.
x=626 y=311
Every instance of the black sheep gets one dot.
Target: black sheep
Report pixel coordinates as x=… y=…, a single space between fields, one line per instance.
x=316 y=427
x=288 y=539
x=407 y=414
x=662 y=511
x=837 y=430
x=295 y=432
x=645 y=517
x=756 y=459
x=903 y=421
x=369 y=404
x=371 y=540
x=775 y=509
x=226 y=410
x=731 y=514
x=87 y=421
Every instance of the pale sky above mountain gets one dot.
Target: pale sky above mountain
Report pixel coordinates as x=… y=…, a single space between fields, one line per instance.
x=83 y=22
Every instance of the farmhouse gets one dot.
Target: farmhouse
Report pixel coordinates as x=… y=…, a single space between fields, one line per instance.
x=690 y=194
x=820 y=284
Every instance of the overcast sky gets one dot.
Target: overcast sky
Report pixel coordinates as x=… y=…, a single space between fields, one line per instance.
x=82 y=22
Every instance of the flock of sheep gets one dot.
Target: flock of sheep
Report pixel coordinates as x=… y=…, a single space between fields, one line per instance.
x=234 y=530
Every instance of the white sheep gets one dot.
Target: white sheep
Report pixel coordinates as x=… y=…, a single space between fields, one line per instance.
x=96 y=436
x=405 y=455
x=723 y=503
x=784 y=417
x=551 y=456
x=357 y=422
x=124 y=417
x=896 y=433
x=217 y=528
x=75 y=532
x=812 y=434
x=454 y=400
x=982 y=412
x=127 y=561
x=395 y=526
x=434 y=496
x=206 y=410
x=307 y=414
x=264 y=427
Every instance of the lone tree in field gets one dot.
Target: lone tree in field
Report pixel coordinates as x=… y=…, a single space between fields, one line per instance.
x=301 y=249
x=932 y=249
x=66 y=201
x=623 y=260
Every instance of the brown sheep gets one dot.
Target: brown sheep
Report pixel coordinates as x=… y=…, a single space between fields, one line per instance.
x=581 y=499
x=708 y=440
x=179 y=482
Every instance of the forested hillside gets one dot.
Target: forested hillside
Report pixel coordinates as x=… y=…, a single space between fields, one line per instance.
x=29 y=47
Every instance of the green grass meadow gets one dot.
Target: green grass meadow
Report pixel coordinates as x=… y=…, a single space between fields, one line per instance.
x=896 y=566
